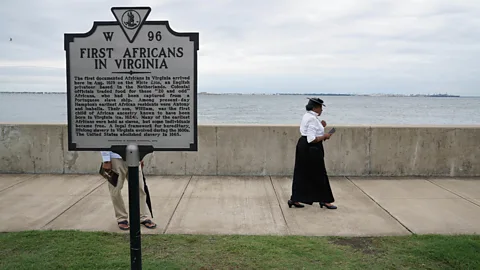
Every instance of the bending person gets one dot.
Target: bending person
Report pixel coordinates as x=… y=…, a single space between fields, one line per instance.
x=113 y=161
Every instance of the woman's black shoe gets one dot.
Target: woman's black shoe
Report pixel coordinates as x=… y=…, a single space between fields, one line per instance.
x=328 y=206
x=296 y=204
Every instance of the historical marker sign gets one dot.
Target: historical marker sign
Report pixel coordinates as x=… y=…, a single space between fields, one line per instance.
x=132 y=81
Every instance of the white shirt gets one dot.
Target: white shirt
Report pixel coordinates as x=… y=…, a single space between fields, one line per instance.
x=311 y=126
x=108 y=155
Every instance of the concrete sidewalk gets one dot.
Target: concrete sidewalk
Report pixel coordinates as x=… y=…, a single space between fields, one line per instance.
x=246 y=205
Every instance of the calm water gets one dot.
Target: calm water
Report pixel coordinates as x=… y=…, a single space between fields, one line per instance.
x=260 y=109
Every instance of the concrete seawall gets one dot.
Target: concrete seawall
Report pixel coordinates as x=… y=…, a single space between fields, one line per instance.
x=263 y=150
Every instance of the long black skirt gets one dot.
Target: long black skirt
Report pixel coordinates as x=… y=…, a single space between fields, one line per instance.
x=310 y=179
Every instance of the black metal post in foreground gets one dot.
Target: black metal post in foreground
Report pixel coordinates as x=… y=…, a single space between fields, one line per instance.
x=133 y=162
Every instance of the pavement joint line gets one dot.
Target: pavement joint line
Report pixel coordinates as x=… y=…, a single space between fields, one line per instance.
x=454 y=193
x=26 y=179
x=278 y=201
x=379 y=205
x=176 y=206
x=75 y=203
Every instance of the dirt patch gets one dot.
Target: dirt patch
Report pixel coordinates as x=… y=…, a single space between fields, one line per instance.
x=363 y=244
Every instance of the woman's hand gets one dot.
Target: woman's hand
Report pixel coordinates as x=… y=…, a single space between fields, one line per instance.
x=324 y=124
x=322 y=138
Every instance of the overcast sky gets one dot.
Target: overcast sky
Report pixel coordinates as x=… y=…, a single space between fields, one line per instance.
x=264 y=46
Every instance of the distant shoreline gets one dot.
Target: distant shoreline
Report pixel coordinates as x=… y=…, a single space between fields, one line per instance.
x=330 y=94
x=276 y=94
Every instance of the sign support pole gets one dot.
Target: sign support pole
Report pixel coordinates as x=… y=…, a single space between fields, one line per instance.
x=133 y=154
x=133 y=162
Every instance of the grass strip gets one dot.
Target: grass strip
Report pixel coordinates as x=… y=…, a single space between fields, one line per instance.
x=98 y=250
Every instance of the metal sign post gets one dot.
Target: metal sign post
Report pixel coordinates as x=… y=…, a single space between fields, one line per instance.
x=133 y=159
x=132 y=90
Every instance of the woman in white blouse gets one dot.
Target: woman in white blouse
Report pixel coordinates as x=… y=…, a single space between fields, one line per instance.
x=310 y=179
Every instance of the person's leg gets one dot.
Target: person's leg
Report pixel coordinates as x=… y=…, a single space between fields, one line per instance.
x=298 y=171
x=327 y=193
x=119 y=166
x=325 y=190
